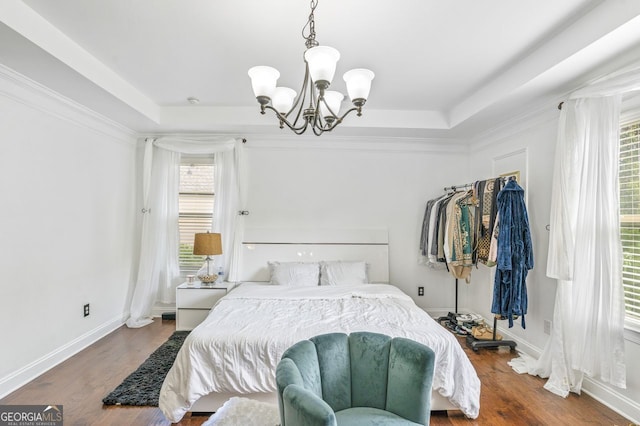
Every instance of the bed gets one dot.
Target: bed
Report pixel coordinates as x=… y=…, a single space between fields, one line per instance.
x=236 y=349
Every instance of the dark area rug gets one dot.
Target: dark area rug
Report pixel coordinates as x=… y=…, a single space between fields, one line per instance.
x=142 y=387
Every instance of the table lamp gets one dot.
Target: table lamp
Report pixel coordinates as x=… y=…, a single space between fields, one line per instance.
x=208 y=244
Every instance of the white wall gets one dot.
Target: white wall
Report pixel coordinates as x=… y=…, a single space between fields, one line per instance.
x=529 y=150
x=68 y=232
x=66 y=228
x=343 y=184
x=529 y=145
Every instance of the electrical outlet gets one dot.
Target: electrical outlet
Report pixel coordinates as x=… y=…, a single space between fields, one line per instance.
x=420 y=291
x=86 y=310
x=547 y=327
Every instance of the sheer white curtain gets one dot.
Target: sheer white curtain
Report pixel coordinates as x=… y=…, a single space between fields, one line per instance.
x=585 y=253
x=228 y=199
x=158 y=270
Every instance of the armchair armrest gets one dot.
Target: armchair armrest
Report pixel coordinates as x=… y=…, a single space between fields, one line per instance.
x=304 y=408
x=411 y=368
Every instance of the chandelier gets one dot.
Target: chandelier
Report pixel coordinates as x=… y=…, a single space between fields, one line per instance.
x=314 y=106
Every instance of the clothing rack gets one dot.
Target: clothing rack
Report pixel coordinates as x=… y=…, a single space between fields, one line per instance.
x=455 y=187
x=469 y=185
x=472 y=342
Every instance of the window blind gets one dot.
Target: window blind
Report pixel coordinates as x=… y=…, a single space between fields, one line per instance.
x=195 y=206
x=630 y=216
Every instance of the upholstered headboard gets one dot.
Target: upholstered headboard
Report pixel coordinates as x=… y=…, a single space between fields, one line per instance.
x=313 y=245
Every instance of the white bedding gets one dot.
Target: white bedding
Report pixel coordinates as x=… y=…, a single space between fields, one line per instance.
x=238 y=346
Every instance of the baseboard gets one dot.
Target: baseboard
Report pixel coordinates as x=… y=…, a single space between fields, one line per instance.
x=160 y=308
x=522 y=345
x=29 y=372
x=597 y=390
x=619 y=403
x=442 y=312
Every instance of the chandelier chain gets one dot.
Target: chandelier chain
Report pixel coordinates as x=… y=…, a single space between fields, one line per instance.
x=311 y=25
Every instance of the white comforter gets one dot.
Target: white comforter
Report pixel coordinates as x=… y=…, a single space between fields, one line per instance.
x=237 y=348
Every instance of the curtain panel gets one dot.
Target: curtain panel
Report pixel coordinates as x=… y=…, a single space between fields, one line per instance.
x=585 y=252
x=158 y=269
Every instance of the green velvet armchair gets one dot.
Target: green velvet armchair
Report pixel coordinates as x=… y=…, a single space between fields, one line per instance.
x=358 y=379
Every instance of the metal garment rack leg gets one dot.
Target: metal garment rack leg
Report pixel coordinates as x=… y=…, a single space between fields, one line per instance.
x=446 y=317
x=456 y=311
x=476 y=344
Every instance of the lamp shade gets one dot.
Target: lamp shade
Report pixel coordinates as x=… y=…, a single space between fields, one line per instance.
x=333 y=100
x=358 y=83
x=263 y=80
x=322 y=62
x=207 y=244
x=283 y=99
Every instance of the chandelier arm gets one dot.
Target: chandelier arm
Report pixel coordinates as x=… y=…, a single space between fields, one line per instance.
x=326 y=125
x=322 y=126
x=333 y=114
x=317 y=118
x=298 y=103
x=297 y=116
x=283 y=119
x=349 y=111
x=337 y=121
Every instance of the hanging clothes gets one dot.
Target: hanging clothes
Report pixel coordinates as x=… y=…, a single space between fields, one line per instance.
x=486 y=193
x=460 y=237
x=515 y=255
x=432 y=238
x=493 y=248
x=437 y=247
x=424 y=235
x=452 y=225
x=429 y=235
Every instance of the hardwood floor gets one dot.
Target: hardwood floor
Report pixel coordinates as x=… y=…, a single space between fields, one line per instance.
x=80 y=383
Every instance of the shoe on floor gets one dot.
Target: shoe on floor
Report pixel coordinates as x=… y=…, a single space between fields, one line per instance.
x=484 y=332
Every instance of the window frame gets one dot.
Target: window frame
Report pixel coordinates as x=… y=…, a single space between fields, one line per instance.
x=193 y=159
x=630 y=113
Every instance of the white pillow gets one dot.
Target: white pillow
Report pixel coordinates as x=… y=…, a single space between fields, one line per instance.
x=343 y=273
x=294 y=273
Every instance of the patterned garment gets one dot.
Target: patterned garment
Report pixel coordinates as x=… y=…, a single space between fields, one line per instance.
x=461 y=236
x=487 y=191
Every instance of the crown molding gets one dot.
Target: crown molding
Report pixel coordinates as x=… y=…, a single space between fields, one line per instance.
x=22 y=89
x=358 y=143
x=516 y=125
x=345 y=143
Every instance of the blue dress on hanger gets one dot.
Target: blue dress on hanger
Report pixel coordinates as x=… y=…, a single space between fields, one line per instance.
x=515 y=255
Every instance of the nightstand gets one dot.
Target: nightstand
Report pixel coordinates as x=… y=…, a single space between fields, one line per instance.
x=193 y=303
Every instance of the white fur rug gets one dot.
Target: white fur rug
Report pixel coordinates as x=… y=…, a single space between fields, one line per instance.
x=239 y=411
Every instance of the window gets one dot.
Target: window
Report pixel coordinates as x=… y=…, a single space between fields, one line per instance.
x=195 y=206
x=630 y=216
